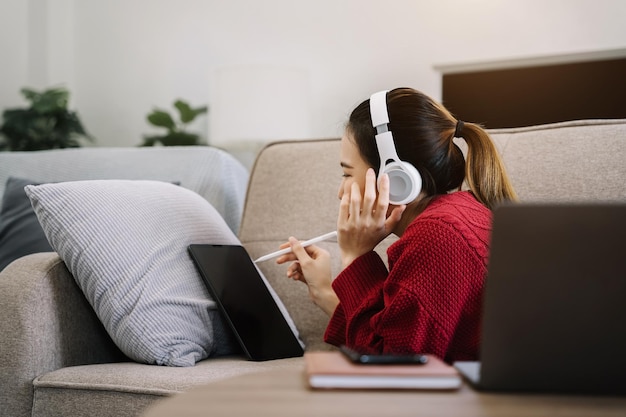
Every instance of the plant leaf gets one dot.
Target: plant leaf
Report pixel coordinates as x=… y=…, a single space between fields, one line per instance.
x=51 y=128
x=184 y=109
x=75 y=126
x=188 y=114
x=162 y=119
x=30 y=94
x=52 y=100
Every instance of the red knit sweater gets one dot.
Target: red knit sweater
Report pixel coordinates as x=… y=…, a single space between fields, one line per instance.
x=430 y=299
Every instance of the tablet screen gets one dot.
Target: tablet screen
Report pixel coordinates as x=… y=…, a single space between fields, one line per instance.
x=254 y=312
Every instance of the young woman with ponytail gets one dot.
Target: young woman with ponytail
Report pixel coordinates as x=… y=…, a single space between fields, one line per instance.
x=429 y=300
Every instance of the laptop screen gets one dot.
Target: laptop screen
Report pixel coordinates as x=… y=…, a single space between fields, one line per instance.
x=555 y=296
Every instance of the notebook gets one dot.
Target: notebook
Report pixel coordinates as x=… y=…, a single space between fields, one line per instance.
x=248 y=303
x=333 y=370
x=555 y=301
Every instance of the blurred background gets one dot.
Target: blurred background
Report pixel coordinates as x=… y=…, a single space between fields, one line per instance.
x=272 y=69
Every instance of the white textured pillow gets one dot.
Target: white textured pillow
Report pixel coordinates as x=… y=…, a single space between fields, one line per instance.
x=125 y=243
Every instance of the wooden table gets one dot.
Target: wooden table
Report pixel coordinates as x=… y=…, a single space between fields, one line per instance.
x=285 y=393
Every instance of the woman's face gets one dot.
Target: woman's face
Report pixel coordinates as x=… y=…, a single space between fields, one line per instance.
x=353 y=165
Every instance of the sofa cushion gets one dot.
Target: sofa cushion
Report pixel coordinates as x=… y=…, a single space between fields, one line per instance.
x=20 y=231
x=127 y=389
x=125 y=242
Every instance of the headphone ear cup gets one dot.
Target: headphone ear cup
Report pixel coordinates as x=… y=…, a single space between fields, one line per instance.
x=405 y=182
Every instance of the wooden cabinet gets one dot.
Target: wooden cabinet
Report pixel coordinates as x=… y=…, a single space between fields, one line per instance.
x=538 y=90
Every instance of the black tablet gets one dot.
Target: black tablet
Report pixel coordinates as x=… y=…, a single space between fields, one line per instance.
x=256 y=315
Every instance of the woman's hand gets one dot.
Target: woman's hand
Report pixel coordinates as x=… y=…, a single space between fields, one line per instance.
x=363 y=218
x=311 y=265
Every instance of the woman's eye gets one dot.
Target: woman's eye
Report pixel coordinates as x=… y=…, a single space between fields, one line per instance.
x=344 y=175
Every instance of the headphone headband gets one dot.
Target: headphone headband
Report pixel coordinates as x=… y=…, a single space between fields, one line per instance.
x=378 y=109
x=384 y=138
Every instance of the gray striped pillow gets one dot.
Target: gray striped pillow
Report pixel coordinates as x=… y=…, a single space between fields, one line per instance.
x=125 y=242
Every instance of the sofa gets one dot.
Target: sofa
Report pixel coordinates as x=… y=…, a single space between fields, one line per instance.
x=56 y=358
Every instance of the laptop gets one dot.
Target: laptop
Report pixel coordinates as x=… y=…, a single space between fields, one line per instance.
x=257 y=317
x=554 y=313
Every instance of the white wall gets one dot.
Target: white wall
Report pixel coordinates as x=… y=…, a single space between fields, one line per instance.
x=120 y=58
x=13 y=50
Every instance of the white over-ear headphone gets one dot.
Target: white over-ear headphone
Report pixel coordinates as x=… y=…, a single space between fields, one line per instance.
x=405 y=182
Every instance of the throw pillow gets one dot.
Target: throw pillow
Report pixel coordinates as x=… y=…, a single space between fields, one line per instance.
x=125 y=242
x=20 y=231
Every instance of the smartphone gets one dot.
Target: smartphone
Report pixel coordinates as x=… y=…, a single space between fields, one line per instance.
x=383 y=359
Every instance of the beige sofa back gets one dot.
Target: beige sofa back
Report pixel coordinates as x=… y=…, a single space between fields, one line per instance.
x=572 y=161
x=293 y=191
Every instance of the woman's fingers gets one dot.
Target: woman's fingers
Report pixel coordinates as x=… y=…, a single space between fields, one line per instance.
x=298 y=250
x=355 y=202
x=383 y=194
x=344 y=205
x=369 y=194
x=294 y=272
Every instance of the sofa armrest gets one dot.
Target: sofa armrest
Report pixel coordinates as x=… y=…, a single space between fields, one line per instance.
x=46 y=324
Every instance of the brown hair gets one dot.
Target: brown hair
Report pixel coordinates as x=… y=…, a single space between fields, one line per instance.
x=423 y=132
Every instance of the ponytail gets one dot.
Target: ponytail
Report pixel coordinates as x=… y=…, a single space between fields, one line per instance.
x=484 y=169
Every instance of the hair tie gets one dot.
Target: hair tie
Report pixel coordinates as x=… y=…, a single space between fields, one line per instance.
x=458 y=131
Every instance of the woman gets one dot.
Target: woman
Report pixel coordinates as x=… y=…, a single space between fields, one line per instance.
x=429 y=301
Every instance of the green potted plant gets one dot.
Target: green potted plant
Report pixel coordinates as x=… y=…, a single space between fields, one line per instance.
x=175 y=134
x=46 y=124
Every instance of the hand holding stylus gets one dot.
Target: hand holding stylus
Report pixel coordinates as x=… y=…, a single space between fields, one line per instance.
x=306 y=243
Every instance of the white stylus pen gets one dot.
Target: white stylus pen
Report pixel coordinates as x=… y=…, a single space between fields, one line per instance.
x=304 y=244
